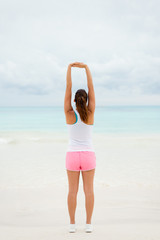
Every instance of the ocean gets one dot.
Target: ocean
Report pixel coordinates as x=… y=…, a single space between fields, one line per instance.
x=110 y=119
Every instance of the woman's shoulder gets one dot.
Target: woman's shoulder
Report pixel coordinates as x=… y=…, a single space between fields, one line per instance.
x=71 y=116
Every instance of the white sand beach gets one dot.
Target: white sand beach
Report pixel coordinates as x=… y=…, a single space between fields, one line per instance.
x=33 y=188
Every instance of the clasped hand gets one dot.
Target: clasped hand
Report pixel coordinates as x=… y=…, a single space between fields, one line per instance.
x=78 y=64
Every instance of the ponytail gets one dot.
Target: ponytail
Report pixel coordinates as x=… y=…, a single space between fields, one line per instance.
x=81 y=100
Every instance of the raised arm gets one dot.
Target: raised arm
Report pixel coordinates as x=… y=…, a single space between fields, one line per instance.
x=68 y=93
x=91 y=93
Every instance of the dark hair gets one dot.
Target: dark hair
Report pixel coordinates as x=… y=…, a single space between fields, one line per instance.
x=81 y=100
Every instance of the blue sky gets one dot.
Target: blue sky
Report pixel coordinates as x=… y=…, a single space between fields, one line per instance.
x=118 y=40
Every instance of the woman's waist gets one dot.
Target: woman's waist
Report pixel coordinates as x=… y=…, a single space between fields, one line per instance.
x=84 y=142
x=75 y=144
x=80 y=148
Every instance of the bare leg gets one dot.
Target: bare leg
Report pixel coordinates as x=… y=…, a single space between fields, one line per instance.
x=73 y=180
x=88 y=177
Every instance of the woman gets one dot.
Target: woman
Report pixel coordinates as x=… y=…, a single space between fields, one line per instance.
x=80 y=154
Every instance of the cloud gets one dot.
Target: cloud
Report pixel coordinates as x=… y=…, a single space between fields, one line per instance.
x=120 y=45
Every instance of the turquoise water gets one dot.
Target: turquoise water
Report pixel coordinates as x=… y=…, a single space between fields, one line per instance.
x=110 y=119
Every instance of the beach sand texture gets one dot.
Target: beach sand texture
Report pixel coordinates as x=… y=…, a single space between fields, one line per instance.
x=33 y=188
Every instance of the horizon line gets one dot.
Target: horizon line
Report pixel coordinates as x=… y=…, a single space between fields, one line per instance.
x=96 y=106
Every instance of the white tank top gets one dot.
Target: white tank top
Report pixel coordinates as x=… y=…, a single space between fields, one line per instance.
x=80 y=135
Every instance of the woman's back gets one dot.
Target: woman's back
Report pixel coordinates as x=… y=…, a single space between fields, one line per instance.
x=80 y=135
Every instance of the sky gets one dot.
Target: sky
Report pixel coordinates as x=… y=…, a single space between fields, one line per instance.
x=117 y=39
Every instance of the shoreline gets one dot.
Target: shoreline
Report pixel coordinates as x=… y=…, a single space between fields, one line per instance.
x=65 y=133
x=39 y=159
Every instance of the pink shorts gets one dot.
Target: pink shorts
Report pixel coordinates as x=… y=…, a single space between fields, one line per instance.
x=80 y=160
